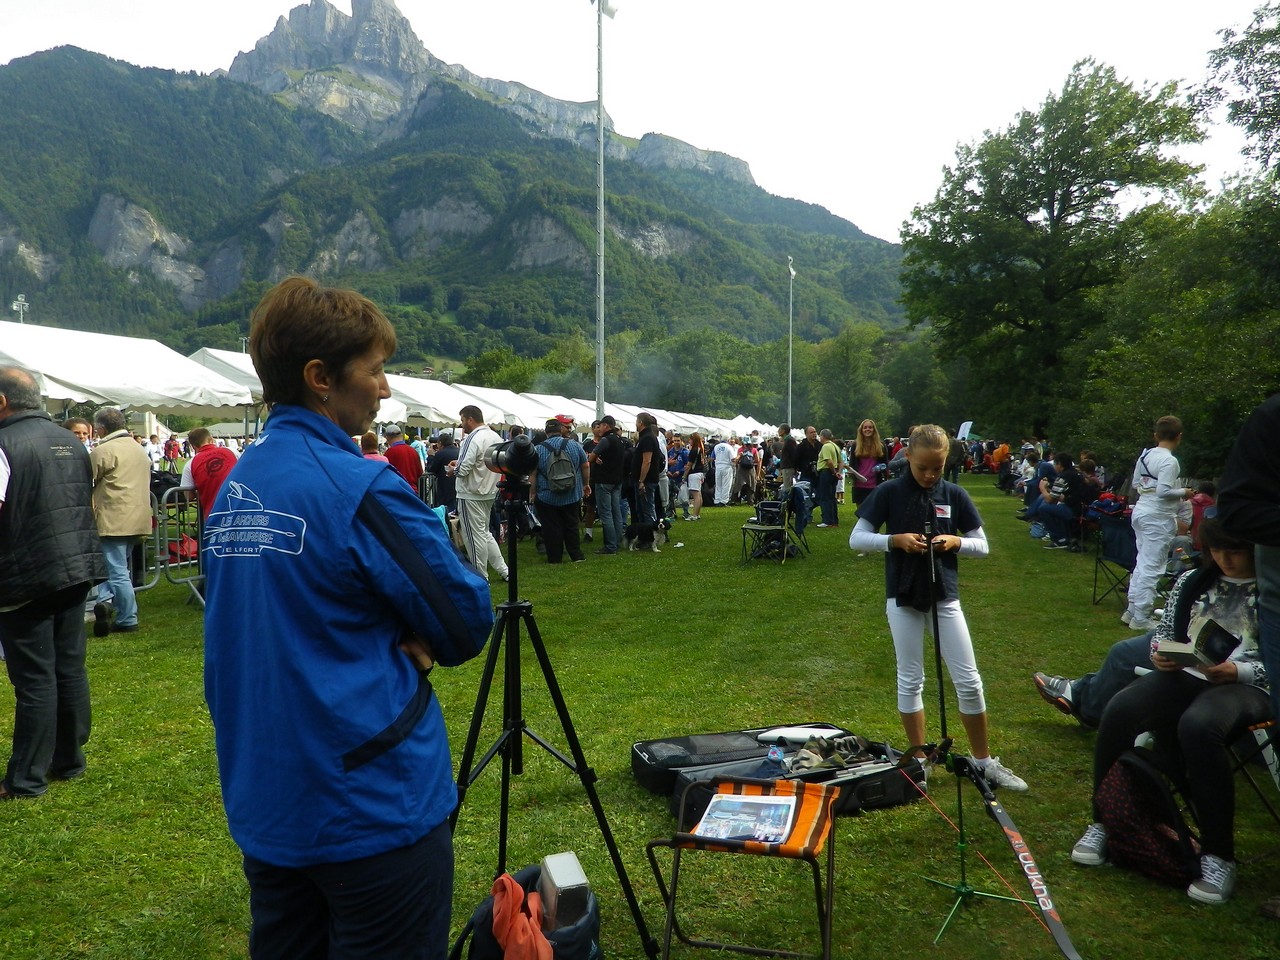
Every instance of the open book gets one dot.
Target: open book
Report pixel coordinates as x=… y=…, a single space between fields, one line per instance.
x=729 y=817
x=1208 y=642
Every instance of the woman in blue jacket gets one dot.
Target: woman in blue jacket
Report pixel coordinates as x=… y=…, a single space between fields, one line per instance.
x=331 y=590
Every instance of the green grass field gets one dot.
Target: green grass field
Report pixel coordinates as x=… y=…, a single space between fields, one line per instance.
x=134 y=860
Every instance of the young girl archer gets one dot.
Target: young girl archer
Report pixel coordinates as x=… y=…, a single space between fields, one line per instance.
x=901 y=507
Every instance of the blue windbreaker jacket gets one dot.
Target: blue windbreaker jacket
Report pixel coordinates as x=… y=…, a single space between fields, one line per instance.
x=330 y=745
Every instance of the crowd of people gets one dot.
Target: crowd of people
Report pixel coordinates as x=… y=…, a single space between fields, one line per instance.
x=334 y=845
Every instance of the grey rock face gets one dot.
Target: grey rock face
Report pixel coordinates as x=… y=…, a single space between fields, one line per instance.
x=129 y=236
x=657 y=150
x=422 y=231
x=543 y=242
x=42 y=265
x=658 y=240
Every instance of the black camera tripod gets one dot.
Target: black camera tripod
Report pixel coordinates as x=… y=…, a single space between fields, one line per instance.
x=514 y=494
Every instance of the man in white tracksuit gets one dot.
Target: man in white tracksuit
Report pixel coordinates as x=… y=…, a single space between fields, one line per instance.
x=1155 y=519
x=477 y=489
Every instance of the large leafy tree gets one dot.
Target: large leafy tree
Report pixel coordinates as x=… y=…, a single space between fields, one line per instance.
x=1246 y=76
x=1029 y=222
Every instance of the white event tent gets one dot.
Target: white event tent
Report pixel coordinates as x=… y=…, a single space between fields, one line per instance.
x=73 y=366
x=239 y=368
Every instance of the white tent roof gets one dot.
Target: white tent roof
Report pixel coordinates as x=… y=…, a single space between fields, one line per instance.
x=431 y=401
x=237 y=367
x=506 y=406
x=73 y=366
x=582 y=411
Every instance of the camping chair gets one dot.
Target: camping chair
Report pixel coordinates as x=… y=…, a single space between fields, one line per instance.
x=1265 y=736
x=1114 y=561
x=767 y=533
x=812 y=825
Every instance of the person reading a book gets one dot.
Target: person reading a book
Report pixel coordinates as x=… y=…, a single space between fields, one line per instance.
x=1195 y=711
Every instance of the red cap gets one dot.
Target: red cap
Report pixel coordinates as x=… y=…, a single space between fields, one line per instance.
x=565 y=419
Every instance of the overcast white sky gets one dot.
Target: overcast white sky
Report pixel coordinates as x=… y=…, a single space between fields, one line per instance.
x=852 y=104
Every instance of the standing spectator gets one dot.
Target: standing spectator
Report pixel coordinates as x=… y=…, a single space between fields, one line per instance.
x=827 y=465
x=747 y=466
x=1249 y=507
x=154 y=451
x=402 y=456
x=369 y=447
x=49 y=558
x=606 y=462
x=648 y=464
x=807 y=457
x=446 y=483
x=722 y=461
x=83 y=430
x=477 y=488
x=122 y=506
x=420 y=446
x=695 y=471
x=559 y=494
x=955 y=459
x=208 y=469
x=787 y=458
x=320 y=629
x=902 y=506
x=662 y=493
x=868 y=454
x=677 y=457
x=1155 y=518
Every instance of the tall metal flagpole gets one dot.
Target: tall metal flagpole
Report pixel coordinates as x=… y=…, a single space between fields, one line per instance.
x=602 y=7
x=791 y=289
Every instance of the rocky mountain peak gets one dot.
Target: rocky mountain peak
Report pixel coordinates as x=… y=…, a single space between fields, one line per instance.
x=369 y=69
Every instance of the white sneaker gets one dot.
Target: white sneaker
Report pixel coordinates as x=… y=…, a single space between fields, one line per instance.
x=1091 y=849
x=998 y=775
x=1217 y=880
x=1127 y=617
x=1142 y=626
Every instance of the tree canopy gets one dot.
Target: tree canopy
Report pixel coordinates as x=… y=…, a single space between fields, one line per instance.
x=1031 y=220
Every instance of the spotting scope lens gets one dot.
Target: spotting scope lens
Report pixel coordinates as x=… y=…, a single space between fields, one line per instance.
x=513 y=458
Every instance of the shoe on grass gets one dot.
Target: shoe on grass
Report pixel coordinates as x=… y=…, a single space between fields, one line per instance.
x=1127 y=617
x=1055 y=691
x=1057 y=544
x=1142 y=626
x=1217 y=880
x=998 y=775
x=1091 y=849
x=102 y=616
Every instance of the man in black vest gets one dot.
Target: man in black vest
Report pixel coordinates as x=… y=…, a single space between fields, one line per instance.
x=49 y=557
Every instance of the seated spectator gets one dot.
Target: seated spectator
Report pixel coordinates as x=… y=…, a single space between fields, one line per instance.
x=1092 y=485
x=1206 y=496
x=1200 y=712
x=1063 y=502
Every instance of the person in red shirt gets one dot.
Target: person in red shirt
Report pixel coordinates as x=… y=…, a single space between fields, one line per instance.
x=402 y=456
x=206 y=471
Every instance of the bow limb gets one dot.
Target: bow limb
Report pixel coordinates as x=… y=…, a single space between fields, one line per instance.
x=1035 y=880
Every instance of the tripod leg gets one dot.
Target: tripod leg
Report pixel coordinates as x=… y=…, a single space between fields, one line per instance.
x=588 y=778
x=465 y=779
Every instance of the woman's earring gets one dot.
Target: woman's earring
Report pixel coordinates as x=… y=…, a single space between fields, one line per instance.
x=325 y=398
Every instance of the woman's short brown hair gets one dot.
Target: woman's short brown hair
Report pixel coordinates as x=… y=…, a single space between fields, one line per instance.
x=298 y=321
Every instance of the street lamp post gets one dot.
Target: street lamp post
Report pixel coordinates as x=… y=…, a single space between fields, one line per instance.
x=791 y=290
x=603 y=7
x=20 y=307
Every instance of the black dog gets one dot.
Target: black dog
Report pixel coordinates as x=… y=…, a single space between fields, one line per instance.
x=647 y=536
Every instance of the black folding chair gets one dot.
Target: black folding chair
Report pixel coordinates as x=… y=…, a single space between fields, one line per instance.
x=1114 y=561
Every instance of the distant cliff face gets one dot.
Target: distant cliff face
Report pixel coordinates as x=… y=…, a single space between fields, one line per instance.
x=369 y=69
